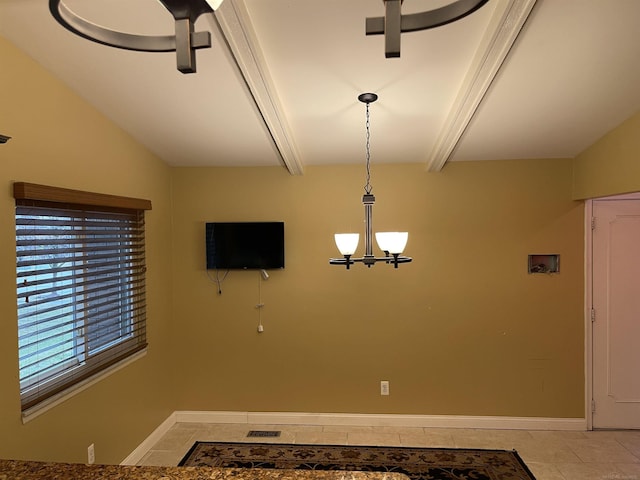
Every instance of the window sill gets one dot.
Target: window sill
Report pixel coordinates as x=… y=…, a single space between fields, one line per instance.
x=48 y=404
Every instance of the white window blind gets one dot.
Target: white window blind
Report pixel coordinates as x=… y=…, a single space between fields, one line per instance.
x=80 y=286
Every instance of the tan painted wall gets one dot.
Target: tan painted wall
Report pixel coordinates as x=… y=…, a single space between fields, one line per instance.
x=612 y=165
x=60 y=140
x=464 y=329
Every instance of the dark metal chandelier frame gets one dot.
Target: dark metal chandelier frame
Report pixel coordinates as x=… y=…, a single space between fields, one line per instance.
x=394 y=23
x=185 y=41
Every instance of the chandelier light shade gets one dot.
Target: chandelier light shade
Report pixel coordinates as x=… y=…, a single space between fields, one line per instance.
x=185 y=41
x=347 y=243
x=391 y=243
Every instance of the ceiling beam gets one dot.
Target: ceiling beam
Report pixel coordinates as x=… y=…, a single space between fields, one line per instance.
x=234 y=22
x=506 y=23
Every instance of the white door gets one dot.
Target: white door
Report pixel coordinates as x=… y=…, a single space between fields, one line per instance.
x=616 y=313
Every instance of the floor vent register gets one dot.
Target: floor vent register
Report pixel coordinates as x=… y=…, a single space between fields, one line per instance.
x=263 y=433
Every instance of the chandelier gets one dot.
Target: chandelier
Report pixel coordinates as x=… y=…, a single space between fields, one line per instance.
x=184 y=42
x=391 y=243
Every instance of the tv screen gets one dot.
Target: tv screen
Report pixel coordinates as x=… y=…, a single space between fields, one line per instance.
x=245 y=245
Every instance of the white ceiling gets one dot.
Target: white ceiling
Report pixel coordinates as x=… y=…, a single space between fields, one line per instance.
x=279 y=85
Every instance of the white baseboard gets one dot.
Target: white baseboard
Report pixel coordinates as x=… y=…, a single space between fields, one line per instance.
x=353 y=419
x=142 y=449
x=379 y=420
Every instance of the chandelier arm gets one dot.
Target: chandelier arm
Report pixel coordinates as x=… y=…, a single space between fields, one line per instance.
x=425 y=20
x=394 y=259
x=352 y=259
x=440 y=16
x=394 y=23
x=393 y=28
x=184 y=42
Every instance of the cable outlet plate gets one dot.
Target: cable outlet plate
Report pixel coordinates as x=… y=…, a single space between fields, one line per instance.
x=384 y=387
x=91 y=454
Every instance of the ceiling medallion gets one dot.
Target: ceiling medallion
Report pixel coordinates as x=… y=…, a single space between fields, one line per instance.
x=394 y=23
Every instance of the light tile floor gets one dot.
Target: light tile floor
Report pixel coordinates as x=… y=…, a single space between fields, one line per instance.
x=550 y=455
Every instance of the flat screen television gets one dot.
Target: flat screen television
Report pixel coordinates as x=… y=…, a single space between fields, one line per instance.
x=245 y=245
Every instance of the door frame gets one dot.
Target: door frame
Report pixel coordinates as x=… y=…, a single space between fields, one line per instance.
x=588 y=299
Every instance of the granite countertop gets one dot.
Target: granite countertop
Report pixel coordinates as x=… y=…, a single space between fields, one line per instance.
x=23 y=470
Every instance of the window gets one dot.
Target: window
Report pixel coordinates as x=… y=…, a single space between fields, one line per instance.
x=80 y=286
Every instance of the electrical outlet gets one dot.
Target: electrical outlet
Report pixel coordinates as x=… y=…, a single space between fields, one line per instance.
x=384 y=387
x=91 y=454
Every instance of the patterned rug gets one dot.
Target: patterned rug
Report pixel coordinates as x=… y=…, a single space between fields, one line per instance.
x=417 y=463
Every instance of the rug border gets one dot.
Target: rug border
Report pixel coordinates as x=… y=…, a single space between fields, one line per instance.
x=514 y=451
